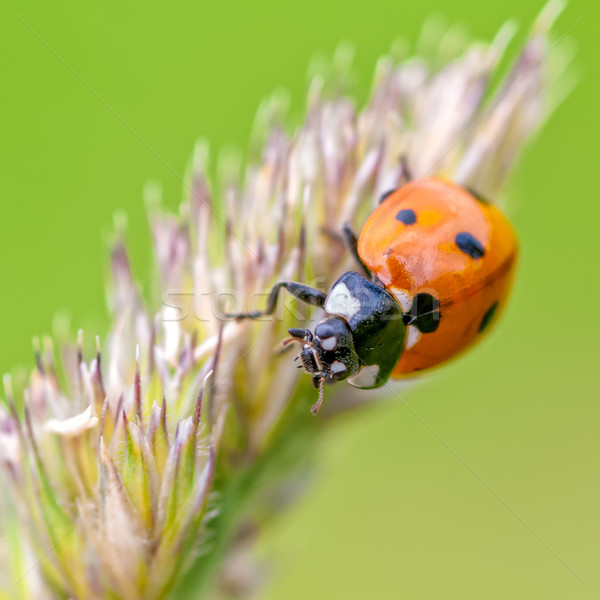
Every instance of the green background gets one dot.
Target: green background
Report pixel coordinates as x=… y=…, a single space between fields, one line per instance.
x=484 y=482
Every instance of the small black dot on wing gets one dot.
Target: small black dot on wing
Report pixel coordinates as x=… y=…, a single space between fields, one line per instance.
x=407 y=216
x=470 y=245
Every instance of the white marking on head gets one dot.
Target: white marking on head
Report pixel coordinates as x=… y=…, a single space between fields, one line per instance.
x=366 y=377
x=329 y=343
x=341 y=302
x=404 y=299
x=413 y=335
x=337 y=366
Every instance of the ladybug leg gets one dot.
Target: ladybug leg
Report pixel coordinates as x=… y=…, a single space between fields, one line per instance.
x=351 y=241
x=405 y=177
x=301 y=334
x=406 y=172
x=300 y=291
x=477 y=195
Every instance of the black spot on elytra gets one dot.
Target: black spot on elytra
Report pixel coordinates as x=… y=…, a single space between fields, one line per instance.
x=385 y=195
x=487 y=318
x=469 y=245
x=424 y=313
x=407 y=216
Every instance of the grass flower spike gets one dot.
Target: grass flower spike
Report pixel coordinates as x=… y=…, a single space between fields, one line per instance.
x=144 y=467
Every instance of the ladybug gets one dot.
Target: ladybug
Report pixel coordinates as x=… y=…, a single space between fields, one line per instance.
x=438 y=262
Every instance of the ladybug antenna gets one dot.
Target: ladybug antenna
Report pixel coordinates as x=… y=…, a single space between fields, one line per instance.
x=317 y=405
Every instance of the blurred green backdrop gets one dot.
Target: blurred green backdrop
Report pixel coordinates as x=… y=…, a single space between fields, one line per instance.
x=487 y=485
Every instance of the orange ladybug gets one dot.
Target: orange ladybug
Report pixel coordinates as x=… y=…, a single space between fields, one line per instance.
x=438 y=265
x=435 y=237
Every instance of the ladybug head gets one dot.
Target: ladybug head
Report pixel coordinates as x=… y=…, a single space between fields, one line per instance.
x=328 y=354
